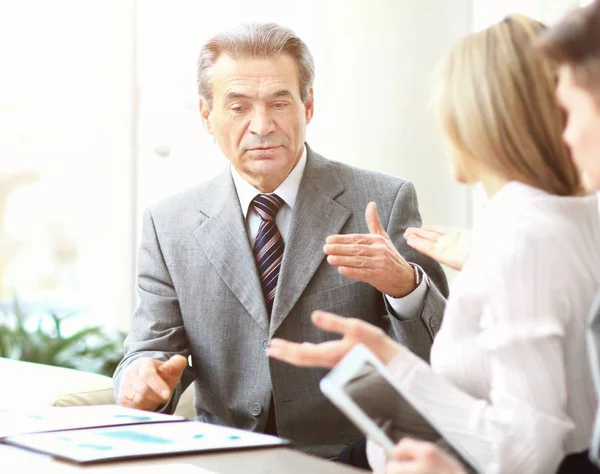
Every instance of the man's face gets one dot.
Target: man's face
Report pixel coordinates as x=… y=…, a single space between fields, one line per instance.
x=582 y=132
x=257 y=117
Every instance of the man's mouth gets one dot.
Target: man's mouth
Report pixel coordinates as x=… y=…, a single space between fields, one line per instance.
x=264 y=148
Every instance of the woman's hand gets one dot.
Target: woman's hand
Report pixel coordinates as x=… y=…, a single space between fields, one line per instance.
x=328 y=354
x=447 y=245
x=421 y=457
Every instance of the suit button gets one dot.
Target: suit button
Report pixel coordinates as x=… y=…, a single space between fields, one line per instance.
x=265 y=344
x=256 y=409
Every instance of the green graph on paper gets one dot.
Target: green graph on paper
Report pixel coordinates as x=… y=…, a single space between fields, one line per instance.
x=136 y=437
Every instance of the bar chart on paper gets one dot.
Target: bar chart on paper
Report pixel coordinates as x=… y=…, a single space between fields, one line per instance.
x=142 y=440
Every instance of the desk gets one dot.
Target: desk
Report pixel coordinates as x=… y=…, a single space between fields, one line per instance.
x=256 y=461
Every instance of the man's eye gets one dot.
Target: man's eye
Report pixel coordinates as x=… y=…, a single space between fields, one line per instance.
x=238 y=108
x=279 y=105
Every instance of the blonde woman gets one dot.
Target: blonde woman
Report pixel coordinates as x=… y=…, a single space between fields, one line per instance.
x=509 y=376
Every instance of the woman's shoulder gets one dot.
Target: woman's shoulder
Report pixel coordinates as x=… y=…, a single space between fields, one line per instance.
x=523 y=215
x=532 y=238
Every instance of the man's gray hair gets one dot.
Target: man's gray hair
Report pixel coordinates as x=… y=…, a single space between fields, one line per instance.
x=255 y=40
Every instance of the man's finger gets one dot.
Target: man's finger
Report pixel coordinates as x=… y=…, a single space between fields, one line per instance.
x=174 y=366
x=159 y=389
x=147 y=396
x=365 y=275
x=362 y=239
x=373 y=222
x=172 y=370
x=349 y=249
x=350 y=261
x=150 y=377
x=127 y=398
x=126 y=394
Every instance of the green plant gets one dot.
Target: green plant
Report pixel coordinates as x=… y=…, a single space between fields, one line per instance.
x=43 y=339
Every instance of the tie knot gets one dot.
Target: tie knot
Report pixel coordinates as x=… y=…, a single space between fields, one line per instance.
x=267 y=206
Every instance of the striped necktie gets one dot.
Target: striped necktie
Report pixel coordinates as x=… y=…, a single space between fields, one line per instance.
x=268 y=246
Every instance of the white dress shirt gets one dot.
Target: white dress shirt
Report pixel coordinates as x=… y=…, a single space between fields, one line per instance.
x=408 y=307
x=510 y=379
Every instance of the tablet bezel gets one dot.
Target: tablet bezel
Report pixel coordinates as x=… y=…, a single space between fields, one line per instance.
x=333 y=387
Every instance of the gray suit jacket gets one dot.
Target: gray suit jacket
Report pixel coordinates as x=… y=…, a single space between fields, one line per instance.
x=200 y=295
x=594 y=352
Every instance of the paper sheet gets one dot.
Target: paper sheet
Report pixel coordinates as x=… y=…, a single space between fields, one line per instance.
x=15 y=422
x=144 y=440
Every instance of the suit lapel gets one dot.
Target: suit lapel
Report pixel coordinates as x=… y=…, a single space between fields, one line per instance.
x=224 y=239
x=593 y=338
x=316 y=216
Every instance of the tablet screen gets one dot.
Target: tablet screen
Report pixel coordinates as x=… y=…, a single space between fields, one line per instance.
x=383 y=404
x=392 y=412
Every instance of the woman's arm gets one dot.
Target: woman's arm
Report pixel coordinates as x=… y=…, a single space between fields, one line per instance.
x=521 y=426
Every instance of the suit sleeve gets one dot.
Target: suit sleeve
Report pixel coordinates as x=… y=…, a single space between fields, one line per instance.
x=417 y=333
x=157 y=329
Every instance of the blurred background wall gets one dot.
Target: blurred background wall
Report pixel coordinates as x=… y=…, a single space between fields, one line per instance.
x=98 y=119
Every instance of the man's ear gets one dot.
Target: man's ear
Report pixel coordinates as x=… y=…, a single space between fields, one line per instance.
x=309 y=106
x=204 y=114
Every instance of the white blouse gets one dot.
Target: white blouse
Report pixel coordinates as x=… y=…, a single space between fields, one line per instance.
x=509 y=377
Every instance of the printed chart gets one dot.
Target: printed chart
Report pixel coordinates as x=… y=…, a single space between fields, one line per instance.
x=143 y=440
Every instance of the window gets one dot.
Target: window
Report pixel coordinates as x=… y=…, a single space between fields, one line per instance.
x=66 y=148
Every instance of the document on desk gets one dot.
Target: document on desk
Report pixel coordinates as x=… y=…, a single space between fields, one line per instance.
x=43 y=419
x=179 y=468
x=144 y=440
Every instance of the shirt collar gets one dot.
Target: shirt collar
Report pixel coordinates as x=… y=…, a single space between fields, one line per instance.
x=288 y=190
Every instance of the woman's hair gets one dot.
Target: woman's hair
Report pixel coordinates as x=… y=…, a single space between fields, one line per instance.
x=496 y=104
x=575 y=42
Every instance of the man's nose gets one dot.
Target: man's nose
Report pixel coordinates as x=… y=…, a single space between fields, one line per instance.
x=261 y=122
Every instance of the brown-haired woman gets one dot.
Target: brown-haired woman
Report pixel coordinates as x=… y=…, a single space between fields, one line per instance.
x=574 y=46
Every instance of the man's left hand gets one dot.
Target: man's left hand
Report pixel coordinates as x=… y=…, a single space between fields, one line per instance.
x=371 y=258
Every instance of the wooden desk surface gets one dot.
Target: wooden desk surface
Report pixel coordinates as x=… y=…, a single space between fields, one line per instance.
x=255 y=461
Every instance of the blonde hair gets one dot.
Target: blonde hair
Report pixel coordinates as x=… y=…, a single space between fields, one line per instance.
x=496 y=104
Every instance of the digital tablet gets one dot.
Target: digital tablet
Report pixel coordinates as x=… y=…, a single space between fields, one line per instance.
x=365 y=391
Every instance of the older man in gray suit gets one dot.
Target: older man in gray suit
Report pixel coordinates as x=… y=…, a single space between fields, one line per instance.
x=233 y=262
